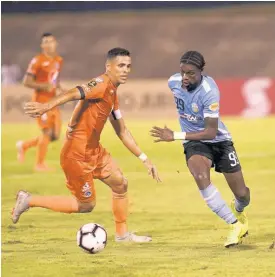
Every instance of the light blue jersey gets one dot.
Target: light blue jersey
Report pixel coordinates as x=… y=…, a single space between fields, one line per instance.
x=194 y=106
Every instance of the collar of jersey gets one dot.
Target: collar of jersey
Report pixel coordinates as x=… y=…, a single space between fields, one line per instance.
x=113 y=86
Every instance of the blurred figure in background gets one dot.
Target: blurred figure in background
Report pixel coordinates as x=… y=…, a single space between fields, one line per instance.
x=43 y=76
x=11 y=73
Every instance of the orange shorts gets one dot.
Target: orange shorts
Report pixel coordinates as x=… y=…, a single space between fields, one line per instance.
x=50 y=120
x=80 y=175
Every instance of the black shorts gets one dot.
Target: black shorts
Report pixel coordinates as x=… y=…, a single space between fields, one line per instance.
x=222 y=154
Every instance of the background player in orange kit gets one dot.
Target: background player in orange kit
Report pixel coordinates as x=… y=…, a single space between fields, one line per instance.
x=43 y=76
x=82 y=157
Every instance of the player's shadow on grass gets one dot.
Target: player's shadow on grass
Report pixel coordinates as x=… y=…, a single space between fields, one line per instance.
x=244 y=247
x=240 y=247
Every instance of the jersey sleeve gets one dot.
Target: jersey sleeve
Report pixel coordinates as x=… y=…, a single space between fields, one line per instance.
x=211 y=103
x=174 y=80
x=116 y=103
x=170 y=84
x=92 y=90
x=33 y=66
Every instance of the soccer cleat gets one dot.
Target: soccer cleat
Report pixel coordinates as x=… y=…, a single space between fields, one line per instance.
x=242 y=217
x=131 y=237
x=21 y=205
x=20 y=151
x=236 y=232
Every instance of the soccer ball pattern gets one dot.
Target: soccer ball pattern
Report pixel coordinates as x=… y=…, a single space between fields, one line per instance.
x=92 y=238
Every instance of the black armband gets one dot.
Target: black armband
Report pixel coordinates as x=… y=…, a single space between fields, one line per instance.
x=82 y=93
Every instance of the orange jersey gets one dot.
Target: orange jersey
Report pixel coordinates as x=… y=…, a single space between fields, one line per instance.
x=89 y=118
x=45 y=70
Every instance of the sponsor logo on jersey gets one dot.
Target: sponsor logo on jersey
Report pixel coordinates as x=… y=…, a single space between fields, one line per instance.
x=214 y=107
x=195 y=107
x=92 y=83
x=189 y=117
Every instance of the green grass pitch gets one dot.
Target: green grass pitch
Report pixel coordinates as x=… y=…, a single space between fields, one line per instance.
x=187 y=237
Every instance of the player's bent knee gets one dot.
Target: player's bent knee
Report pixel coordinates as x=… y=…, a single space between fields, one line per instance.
x=200 y=176
x=121 y=187
x=86 y=207
x=125 y=184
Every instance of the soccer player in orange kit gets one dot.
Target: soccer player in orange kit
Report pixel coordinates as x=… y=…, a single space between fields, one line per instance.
x=43 y=76
x=83 y=159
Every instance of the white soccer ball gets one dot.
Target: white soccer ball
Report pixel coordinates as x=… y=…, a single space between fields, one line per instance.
x=92 y=238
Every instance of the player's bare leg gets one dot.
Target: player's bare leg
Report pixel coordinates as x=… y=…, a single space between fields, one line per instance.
x=47 y=137
x=199 y=167
x=23 y=146
x=57 y=127
x=42 y=148
x=242 y=196
x=63 y=204
x=20 y=151
x=120 y=204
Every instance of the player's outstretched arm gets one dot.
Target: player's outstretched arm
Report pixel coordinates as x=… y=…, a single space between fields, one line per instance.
x=35 y=109
x=127 y=139
x=166 y=134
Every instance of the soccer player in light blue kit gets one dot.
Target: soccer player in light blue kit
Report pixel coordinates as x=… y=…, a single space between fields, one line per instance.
x=207 y=142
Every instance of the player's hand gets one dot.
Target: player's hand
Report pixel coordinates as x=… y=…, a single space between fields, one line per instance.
x=152 y=170
x=163 y=134
x=35 y=109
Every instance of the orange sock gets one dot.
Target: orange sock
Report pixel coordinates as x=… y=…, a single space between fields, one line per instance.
x=120 y=212
x=63 y=204
x=30 y=143
x=42 y=148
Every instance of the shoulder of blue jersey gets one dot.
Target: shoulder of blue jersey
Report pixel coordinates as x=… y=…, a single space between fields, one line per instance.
x=174 y=80
x=209 y=85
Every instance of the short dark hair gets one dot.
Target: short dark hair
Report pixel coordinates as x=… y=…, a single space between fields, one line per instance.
x=44 y=35
x=117 y=52
x=193 y=57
